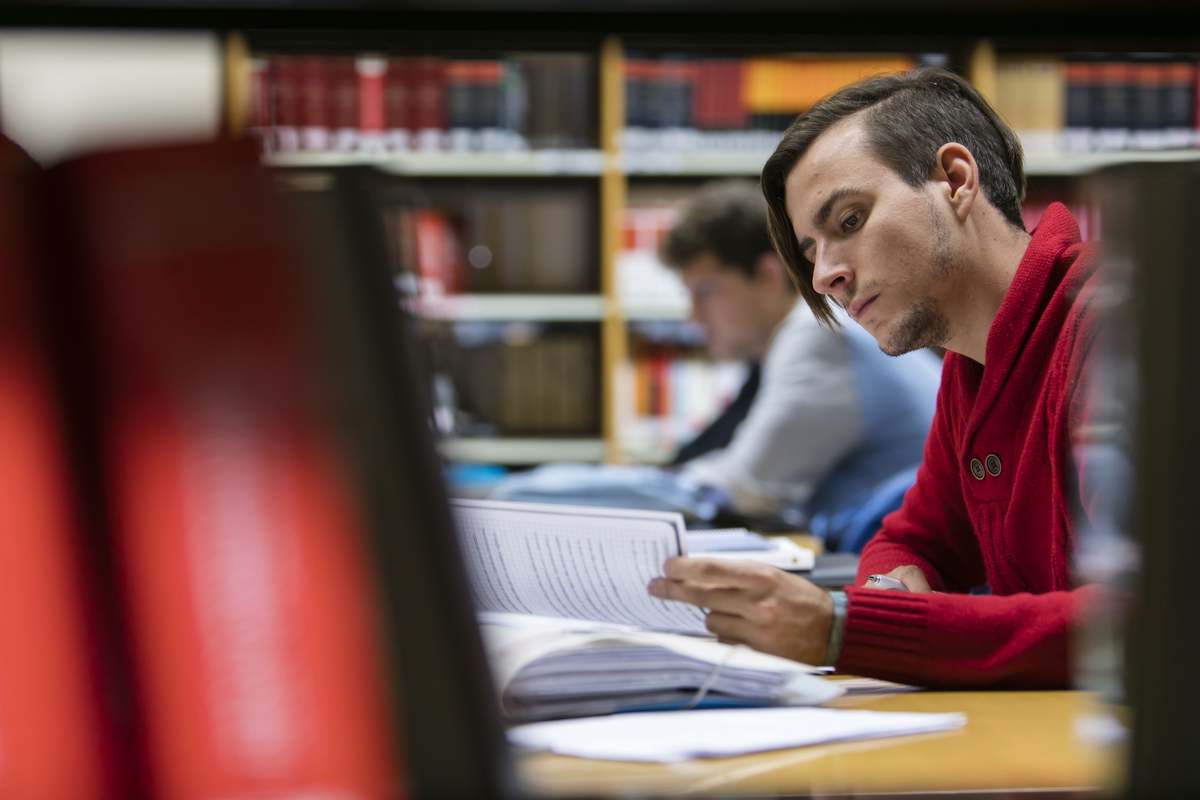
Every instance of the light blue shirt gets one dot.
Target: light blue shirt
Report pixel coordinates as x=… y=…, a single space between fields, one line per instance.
x=834 y=419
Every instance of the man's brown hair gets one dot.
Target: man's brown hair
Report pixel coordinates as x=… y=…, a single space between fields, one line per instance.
x=907 y=117
x=725 y=218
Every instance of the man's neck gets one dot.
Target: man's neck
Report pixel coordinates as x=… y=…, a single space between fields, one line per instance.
x=983 y=286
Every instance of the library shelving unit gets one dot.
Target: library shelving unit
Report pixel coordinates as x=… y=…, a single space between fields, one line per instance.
x=473 y=181
x=619 y=167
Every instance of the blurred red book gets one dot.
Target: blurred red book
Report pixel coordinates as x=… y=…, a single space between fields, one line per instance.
x=249 y=595
x=51 y=739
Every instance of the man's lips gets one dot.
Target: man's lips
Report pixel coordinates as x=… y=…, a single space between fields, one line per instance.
x=856 y=309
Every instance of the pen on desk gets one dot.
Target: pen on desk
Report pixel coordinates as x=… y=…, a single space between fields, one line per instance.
x=885 y=582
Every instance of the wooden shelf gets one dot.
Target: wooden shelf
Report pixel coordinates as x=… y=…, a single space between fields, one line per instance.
x=655 y=312
x=694 y=163
x=503 y=450
x=1069 y=164
x=514 y=307
x=533 y=163
x=750 y=164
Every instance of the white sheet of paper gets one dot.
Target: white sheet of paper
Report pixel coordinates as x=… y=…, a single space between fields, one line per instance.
x=668 y=736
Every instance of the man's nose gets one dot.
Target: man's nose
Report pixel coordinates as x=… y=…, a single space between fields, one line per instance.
x=832 y=274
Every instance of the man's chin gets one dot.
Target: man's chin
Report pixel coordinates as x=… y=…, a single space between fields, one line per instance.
x=890 y=343
x=922 y=327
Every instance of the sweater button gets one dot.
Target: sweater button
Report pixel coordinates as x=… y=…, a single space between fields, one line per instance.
x=992 y=462
x=977 y=469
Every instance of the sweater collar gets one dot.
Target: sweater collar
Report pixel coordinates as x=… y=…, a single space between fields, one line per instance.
x=1041 y=270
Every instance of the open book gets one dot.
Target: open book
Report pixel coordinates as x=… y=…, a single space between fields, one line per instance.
x=591 y=563
x=571 y=630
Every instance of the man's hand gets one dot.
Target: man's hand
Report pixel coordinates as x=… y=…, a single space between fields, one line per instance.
x=753 y=604
x=912 y=577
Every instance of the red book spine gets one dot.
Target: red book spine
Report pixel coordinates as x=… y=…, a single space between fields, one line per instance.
x=704 y=105
x=248 y=588
x=662 y=384
x=316 y=102
x=734 y=100
x=285 y=78
x=258 y=121
x=439 y=254
x=50 y=742
x=372 y=121
x=344 y=102
x=429 y=105
x=399 y=99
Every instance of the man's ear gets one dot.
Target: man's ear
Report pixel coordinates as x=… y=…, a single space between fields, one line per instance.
x=955 y=168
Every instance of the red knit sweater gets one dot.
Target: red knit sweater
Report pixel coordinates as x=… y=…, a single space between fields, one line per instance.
x=1014 y=529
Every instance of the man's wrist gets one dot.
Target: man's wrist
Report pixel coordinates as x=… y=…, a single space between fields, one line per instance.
x=837 y=627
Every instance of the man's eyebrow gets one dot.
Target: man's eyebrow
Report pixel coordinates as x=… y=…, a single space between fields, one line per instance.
x=822 y=216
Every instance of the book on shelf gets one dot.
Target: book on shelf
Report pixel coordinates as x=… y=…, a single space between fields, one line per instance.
x=643 y=281
x=484 y=240
x=1099 y=102
x=698 y=103
x=1086 y=213
x=376 y=103
x=571 y=629
x=666 y=393
x=518 y=379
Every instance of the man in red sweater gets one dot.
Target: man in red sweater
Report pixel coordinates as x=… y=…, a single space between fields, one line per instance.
x=899 y=198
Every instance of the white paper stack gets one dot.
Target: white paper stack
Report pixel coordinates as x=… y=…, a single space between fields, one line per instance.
x=550 y=668
x=739 y=544
x=681 y=735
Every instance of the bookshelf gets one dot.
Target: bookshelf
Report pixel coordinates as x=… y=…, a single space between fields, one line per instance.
x=1079 y=164
x=540 y=164
x=631 y=150
x=523 y=451
x=514 y=307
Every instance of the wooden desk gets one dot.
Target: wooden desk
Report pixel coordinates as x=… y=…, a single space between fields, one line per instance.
x=1013 y=740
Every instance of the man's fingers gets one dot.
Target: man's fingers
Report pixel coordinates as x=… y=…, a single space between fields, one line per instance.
x=728 y=628
x=751 y=577
x=912 y=577
x=717 y=597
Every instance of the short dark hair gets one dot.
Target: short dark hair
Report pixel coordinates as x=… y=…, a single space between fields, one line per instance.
x=725 y=218
x=909 y=116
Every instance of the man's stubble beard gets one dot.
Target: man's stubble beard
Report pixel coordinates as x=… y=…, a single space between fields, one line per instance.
x=924 y=325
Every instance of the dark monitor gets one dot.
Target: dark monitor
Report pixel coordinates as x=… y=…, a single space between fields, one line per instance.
x=452 y=736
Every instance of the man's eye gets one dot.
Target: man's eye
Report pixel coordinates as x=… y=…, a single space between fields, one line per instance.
x=852 y=222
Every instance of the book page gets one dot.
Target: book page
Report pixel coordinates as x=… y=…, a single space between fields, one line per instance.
x=575 y=562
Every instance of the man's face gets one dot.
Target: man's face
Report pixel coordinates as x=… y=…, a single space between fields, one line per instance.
x=729 y=306
x=885 y=251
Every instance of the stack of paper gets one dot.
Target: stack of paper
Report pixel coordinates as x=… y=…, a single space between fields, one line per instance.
x=742 y=545
x=549 y=668
x=680 y=735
